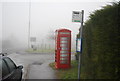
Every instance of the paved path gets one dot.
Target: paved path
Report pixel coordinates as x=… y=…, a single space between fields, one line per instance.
x=42 y=71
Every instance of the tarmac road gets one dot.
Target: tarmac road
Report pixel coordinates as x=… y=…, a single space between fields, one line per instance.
x=36 y=66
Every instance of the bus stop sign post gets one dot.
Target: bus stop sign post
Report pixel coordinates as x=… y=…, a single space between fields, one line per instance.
x=79 y=64
x=78 y=17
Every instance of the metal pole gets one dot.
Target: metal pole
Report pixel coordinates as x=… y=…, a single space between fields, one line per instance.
x=79 y=64
x=29 y=24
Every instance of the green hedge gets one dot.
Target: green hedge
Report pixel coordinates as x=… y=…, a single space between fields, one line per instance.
x=101 y=56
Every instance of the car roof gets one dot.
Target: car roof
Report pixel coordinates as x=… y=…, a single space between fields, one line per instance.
x=3 y=55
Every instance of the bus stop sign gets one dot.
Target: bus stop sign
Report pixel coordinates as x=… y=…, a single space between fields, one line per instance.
x=76 y=16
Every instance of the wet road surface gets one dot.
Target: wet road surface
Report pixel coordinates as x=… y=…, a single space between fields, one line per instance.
x=36 y=66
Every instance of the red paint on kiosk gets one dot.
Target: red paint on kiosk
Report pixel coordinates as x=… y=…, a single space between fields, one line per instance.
x=62 y=48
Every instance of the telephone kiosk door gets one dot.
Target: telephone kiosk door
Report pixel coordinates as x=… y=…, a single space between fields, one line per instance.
x=63 y=49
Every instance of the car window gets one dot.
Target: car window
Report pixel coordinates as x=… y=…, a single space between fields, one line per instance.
x=5 y=70
x=10 y=64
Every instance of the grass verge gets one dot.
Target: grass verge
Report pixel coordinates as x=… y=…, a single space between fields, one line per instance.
x=40 y=51
x=70 y=73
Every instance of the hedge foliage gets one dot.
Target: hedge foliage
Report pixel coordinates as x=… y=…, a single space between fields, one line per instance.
x=101 y=48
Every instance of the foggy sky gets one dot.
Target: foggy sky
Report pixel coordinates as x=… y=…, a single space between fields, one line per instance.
x=46 y=17
x=0 y=27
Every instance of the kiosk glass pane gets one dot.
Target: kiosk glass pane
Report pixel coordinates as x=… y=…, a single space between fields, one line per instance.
x=63 y=62
x=64 y=48
x=64 y=38
x=63 y=45
x=63 y=51
x=64 y=55
x=65 y=59
x=63 y=41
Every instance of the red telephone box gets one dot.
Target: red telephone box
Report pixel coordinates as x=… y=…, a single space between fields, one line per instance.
x=63 y=48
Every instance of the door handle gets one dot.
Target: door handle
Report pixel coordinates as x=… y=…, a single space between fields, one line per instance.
x=59 y=48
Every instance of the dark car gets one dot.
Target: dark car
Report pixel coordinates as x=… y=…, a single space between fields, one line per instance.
x=8 y=70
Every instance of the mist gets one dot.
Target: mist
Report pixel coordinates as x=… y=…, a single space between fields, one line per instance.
x=0 y=27
x=45 y=18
